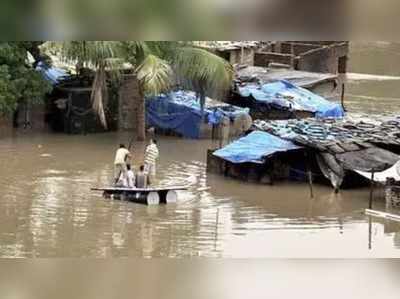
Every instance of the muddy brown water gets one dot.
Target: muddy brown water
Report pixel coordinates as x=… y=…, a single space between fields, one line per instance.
x=48 y=210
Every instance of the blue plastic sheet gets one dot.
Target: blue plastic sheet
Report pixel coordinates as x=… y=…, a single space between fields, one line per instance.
x=285 y=95
x=254 y=148
x=52 y=74
x=180 y=111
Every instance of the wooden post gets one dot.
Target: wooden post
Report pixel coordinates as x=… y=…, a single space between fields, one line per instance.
x=371 y=192
x=369 y=233
x=216 y=230
x=310 y=183
x=342 y=97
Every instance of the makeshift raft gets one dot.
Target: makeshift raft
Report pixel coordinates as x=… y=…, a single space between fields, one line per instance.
x=149 y=196
x=382 y=214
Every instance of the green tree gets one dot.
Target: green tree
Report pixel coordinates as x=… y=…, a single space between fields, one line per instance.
x=19 y=82
x=158 y=65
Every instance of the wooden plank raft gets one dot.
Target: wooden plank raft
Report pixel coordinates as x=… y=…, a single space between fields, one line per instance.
x=149 y=196
x=385 y=215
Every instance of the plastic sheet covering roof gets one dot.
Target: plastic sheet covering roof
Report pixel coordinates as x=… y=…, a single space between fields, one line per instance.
x=254 y=148
x=180 y=111
x=52 y=74
x=392 y=172
x=373 y=158
x=323 y=133
x=285 y=95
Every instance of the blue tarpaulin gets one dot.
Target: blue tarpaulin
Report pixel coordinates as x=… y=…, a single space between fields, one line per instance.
x=254 y=147
x=52 y=74
x=285 y=95
x=180 y=111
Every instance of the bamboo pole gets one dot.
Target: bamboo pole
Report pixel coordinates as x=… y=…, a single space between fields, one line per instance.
x=371 y=192
x=369 y=233
x=310 y=183
x=342 y=97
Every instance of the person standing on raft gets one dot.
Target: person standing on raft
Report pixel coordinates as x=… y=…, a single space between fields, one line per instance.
x=121 y=157
x=150 y=158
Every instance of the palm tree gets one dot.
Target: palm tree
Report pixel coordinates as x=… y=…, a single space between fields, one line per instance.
x=158 y=66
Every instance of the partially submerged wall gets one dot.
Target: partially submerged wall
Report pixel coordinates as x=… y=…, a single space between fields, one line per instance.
x=5 y=126
x=320 y=57
x=328 y=59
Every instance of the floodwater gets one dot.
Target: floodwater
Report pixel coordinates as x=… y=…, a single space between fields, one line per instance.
x=373 y=78
x=48 y=210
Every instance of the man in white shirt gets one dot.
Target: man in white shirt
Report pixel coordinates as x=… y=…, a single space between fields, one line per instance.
x=120 y=168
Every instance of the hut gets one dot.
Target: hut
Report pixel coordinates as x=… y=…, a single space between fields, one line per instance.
x=281 y=99
x=343 y=147
x=70 y=111
x=342 y=152
x=69 y=107
x=34 y=116
x=179 y=113
x=259 y=157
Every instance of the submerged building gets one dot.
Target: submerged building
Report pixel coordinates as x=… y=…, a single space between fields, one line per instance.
x=275 y=98
x=311 y=56
x=179 y=113
x=343 y=152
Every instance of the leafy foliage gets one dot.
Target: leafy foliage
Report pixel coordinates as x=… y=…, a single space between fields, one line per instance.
x=19 y=82
x=155 y=74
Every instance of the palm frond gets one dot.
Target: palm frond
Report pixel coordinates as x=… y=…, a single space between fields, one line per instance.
x=155 y=74
x=99 y=94
x=202 y=70
x=91 y=53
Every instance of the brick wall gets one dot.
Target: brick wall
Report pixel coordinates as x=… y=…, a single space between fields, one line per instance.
x=235 y=56
x=320 y=60
x=264 y=58
x=324 y=60
x=128 y=94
